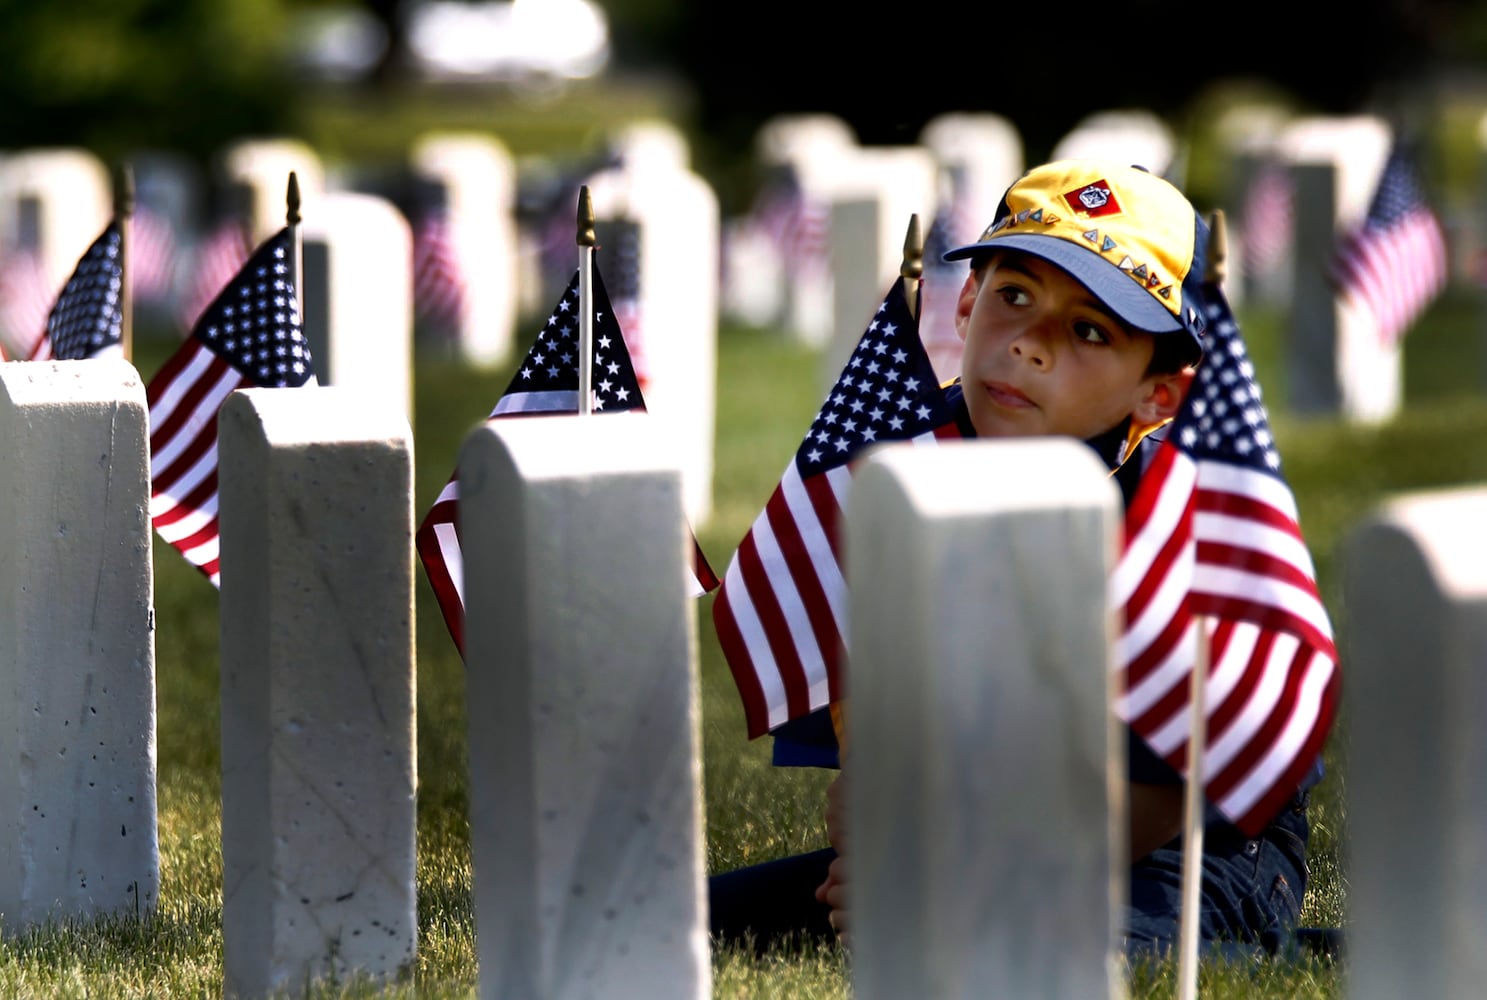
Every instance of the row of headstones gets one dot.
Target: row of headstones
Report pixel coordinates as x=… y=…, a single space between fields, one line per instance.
x=661 y=218
x=585 y=805
x=1333 y=363
x=693 y=267
x=358 y=262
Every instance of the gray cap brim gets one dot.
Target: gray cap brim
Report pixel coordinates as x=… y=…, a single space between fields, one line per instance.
x=1121 y=294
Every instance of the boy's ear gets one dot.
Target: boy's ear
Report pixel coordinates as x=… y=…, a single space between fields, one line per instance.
x=1161 y=397
x=964 y=304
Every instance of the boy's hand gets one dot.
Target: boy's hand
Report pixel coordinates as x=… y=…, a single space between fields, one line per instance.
x=833 y=892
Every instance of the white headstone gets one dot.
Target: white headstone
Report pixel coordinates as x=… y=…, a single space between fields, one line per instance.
x=77 y=644
x=319 y=761
x=53 y=204
x=1416 y=597
x=358 y=295
x=876 y=191
x=585 y=792
x=1335 y=362
x=979 y=156
x=984 y=763
x=809 y=150
x=260 y=168
x=658 y=228
x=478 y=177
x=808 y=142
x=1133 y=135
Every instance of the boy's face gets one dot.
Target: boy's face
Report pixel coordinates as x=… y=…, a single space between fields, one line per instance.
x=1042 y=356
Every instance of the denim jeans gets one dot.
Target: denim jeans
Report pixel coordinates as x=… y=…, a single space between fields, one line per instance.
x=1250 y=901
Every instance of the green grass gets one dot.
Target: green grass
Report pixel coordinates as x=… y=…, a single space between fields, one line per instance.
x=768 y=390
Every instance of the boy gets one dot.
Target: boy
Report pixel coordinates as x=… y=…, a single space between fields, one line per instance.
x=1082 y=315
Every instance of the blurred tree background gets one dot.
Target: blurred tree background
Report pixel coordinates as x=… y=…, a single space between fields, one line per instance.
x=119 y=75
x=115 y=75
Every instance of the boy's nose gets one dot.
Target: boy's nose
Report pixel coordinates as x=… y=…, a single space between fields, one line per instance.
x=1032 y=347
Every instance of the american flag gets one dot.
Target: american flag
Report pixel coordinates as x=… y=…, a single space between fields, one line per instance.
x=152 y=255
x=1212 y=536
x=798 y=225
x=780 y=613
x=1266 y=219
x=26 y=297
x=249 y=336
x=545 y=382
x=624 y=237
x=438 y=275
x=87 y=320
x=215 y=260
x=1394 y=264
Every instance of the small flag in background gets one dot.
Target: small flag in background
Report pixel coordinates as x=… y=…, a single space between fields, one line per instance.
x=1393 y=265
x=87 y=320
x=1266 y=220
x=797 y=225
x=250 y=336
x=626 y=300
x=545 y=382
x=780 y=613
x=26 y=297
x=152 y=255
x=1212 y=531
x=215 y=261
x=438 y=275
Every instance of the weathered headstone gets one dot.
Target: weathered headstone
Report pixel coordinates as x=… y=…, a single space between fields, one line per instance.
x=1417 y=865
x=585 y=798
x=658 y=224
x=77 y=644
x=358 y=295
x=981 y=636
x=478 y=178
x=319 y=759
x=1335 y=363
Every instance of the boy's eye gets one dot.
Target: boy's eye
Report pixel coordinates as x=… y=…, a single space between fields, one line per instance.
x=1013 y=295
x=1090 y=333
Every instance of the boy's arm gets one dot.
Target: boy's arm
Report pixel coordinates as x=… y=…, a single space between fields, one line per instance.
x=1156 y=817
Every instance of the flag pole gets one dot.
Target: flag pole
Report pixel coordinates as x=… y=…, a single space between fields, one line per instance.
x=912 y=268
x=292 y=220
x=586 y=243
x=1192 y=833
x=123 y=212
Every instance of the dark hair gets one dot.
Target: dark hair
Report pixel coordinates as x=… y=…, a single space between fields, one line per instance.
x=1170 y=353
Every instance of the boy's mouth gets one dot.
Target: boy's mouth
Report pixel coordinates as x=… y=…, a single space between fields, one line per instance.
x=1008 y=396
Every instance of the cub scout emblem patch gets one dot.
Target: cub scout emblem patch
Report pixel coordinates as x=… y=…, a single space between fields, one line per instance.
x=1093 y=200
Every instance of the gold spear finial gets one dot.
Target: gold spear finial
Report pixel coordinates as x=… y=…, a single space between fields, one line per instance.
x=291 y=198
x=586 y=237
x=913 y=265
x=1218 y=248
